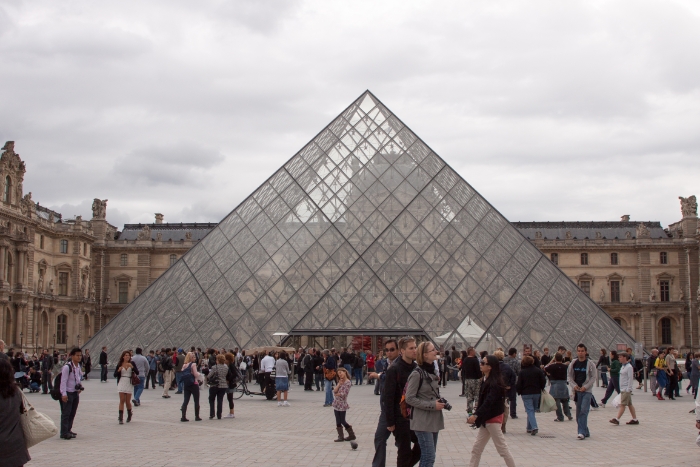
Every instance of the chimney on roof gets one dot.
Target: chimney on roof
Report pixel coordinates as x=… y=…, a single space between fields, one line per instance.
x=625 y=218
x=159 y=218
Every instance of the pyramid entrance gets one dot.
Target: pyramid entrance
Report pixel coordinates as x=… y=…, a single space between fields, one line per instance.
x=364 y=231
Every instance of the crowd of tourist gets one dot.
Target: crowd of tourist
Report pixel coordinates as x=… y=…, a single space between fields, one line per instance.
x=406 y=376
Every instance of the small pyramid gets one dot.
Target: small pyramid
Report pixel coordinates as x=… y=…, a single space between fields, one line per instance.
x=367 y=230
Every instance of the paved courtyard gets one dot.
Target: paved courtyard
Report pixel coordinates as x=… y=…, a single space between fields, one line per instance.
x=264 y=434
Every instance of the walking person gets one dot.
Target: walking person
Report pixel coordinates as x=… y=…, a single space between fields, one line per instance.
x=381 y=435
x=71 y=387
x=357 y=367
x=13 y=446
x=340 y=405
x=531 y=382
x=558 y=387
x=423 y=395
x=152 y=369
x=661 y=375
x=179 y=361
x=396 y=379
x=231 y=379
x=512 y=361
x=190 y=386
x=602 y=365
x=671 y=370
x=651 y=370
x=125 y=368
x=143 y=368
x=626 y=378
x=472 y=379
x=318 y=371
x=489 y=414
x=103 y=365
x=370 y=367
x=614 y=383
x=217 y=386
x=509 y=379
x=87 y=363
x=581 y=377
x=46 y=372
x=308 y=365
x=282 y=379
x=166 y=363
x=330 y=366
x=695 y=373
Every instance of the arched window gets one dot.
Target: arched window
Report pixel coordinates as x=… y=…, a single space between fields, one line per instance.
x=555 y=258
x=665 y=330
x=173 y=259
x=61 y=329
x=8 y=186
x=613 y=259
x=584 y=259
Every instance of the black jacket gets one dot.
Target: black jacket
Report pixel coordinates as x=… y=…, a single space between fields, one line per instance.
x=347 y=358
x=396 y=378
x=491 y=403
x=118 y=374
x=318 y=363
x=359 y=363
x=531 y=380
x=471 y=368
x=103 y=358
x=47 y=363
x=509 y=377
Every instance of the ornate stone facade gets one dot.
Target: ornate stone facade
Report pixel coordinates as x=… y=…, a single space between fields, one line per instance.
x=62 y=280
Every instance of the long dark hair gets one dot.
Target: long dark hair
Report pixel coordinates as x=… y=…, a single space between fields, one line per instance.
x=121 y=359
x=8 y=386
x=494 y=376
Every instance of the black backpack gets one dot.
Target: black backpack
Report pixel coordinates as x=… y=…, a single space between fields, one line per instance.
x=56 y=391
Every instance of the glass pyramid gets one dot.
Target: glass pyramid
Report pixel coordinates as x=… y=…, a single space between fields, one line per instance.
x=365 y=229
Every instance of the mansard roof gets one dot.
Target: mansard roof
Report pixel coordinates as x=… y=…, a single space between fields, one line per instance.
x=169 y=231
x=582 y=230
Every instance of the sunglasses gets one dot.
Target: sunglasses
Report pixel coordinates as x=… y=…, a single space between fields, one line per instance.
x=390 y=350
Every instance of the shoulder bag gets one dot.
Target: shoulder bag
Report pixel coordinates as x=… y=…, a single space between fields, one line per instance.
x=135 y=381
x=36 y=426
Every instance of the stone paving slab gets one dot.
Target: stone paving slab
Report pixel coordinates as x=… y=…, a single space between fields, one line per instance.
x=263 y=434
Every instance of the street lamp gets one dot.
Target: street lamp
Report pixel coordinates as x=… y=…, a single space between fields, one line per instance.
x=20 y=342
x=78 y=340
x=36 y=343
x=54 y=341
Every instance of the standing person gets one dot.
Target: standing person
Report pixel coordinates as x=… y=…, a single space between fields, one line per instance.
x=298 y=359
x=512 y=361
x=87 y=363
x=695 y=373
x=472 y=379
x=558 y=389
x=380 y=366
x=125 y=368
x=103 y=365
x=546 y=359
x=671 y=370
x=267 y=364
x=159 y=358
x=166 y=363
x=381 y=435
x=509 y=379
x=602 y=365
x=152 y=369
x=231 y=379
x=46 y=372
x=370 y=367
x=143 y=368
x=423 y=395
x=347 y=359
x=218 y=390
x=70 y=389
x=179 y=361
x=340 y=405
x=531 y=382
x=329 y=365
x=614 y=383
x=13 y=446
x=463 y=357
x=581 y=377
x=190 y=386
x=396 y=378
x=626 y=378
x=308 y=364
x=318 y=371
x=489 y=415
x=651 y=370
x=282 y=379
x=358 y=365
x=661 y=375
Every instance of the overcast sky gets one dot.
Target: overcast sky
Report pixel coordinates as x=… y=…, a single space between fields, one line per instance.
x=552 y=110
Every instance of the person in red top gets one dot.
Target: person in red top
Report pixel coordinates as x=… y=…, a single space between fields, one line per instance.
x=370 y=365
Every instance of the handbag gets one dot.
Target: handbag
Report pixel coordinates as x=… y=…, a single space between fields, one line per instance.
x=36 y=426
x=329 y=373
x=547 y=402
x=135 y=379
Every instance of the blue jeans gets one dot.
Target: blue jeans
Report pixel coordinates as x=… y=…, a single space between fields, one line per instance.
x=34 y=386
x=103 y=373
x=138 y=389
x=583 y=406
x=319 y=380
x=161 y=381
x=178 y=379
x=428 y=445
x=380 y=438
x=329 y=392
x=358 y=376
x=531 y=401
x=604 y=377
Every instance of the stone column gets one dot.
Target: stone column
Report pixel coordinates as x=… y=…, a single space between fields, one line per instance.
x=653 y=329
x=19 y=322
x=681 y=320
x=3 y=319
x=76 y=327
x=3 y=259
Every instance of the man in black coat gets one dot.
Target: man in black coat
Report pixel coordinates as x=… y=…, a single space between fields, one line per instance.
x=510 y=378
x=308 y=364
x=46 y=367
x=396 y=378
x=103 y=365
x=318 y=372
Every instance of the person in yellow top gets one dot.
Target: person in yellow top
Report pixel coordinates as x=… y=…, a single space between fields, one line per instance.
x=661 y=375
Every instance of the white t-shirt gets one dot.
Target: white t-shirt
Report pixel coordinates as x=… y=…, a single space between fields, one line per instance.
x=267 y=364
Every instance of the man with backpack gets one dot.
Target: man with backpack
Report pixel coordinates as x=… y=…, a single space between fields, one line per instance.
x=394 y=390
x=166 y=363
x=67 y=389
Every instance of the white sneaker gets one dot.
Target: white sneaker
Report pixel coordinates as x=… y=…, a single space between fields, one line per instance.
x=230 y=416
x=285 y=404
x=581 y=437
x=279 y=404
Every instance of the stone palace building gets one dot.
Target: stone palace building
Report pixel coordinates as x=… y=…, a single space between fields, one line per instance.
x=61 y=280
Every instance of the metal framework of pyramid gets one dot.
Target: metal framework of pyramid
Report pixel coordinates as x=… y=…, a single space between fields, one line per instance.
x=365 y=230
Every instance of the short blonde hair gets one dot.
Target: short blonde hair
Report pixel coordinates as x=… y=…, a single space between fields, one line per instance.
x=499 y=354
x=220 y=359
x=422 y=350
x=189 y=358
